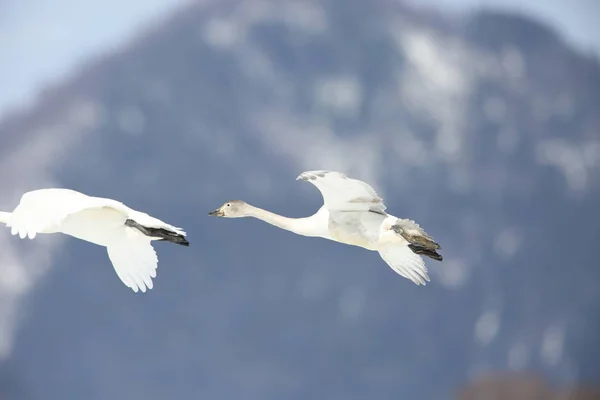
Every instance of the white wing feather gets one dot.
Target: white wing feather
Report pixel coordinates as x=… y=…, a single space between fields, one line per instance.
x=406 y=263
x=135 y=262
x=342 y=193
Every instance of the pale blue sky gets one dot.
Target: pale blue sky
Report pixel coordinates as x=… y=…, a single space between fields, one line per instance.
x=41 y=42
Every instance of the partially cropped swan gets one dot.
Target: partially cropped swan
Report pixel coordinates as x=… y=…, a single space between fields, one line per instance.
x=353 y=214
x=124 y=232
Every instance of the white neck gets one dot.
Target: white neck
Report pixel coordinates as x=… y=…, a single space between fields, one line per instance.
x=308 y=226
x=4 y=217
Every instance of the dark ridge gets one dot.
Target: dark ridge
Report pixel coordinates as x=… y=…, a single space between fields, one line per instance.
x=494 y=29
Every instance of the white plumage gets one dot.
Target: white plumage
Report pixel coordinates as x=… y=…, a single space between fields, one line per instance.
x=353 y=213
x=126 y=233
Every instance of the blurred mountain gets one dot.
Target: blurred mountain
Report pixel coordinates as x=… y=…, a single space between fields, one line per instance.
x=484 y=129
x=522 y=387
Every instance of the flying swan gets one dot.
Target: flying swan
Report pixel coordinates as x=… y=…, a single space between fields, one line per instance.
x=124 y=232
x=353 y=214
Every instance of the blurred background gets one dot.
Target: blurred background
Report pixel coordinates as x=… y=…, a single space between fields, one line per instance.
x=478 y=119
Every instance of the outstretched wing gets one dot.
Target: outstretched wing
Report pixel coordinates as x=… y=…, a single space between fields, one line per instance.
x=405 y=262
x=344 y=194
x=135 y=261
x=43 y=210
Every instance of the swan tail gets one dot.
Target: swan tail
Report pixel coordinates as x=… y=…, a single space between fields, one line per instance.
x=418 y=240
x=418 y=249
x=169 y=236
x=414 y=234
x=5 y=217
x=160 y=233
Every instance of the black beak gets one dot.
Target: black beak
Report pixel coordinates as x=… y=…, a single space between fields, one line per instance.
x=216 y=213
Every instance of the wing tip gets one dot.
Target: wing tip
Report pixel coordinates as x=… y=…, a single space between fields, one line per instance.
x=306 y=176
x=314 y=175
x=146 y=287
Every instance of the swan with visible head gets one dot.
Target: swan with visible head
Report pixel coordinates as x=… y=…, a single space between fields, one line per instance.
x=353 y=214
x=126 y=233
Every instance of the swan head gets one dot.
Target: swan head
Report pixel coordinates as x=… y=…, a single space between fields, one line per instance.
x=231 y=209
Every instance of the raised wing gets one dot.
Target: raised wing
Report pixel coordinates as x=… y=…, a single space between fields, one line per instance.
x=405 y=262
x=134 y=261
x=344 y=194
x=43 y=210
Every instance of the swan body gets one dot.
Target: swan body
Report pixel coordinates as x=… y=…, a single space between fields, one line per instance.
x=353 y=214
x=126 y=233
